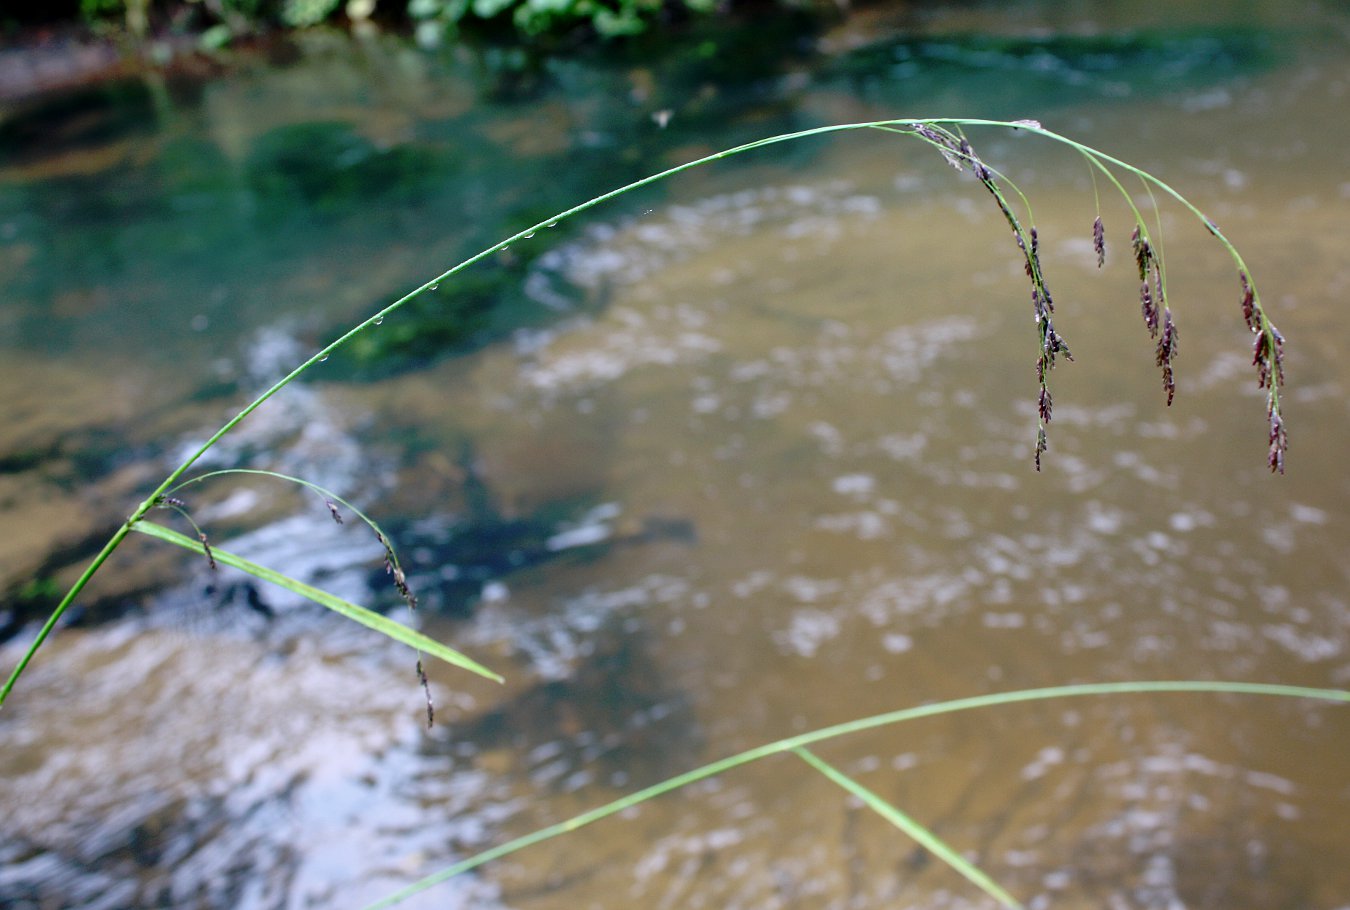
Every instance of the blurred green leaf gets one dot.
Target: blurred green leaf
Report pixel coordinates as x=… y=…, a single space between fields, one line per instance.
x=382 y=624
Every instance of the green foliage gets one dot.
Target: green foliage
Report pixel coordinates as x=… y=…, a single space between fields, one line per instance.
x=215 y=37
x=327 y=169
x=535 y=18
x=134 y=12
x=304 y=13
x=431 y=326
x=38 y=590
x=248 y=8
x=529 y=19
x=95 y=9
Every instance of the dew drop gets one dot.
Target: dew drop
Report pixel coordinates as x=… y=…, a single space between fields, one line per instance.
x=379 y=320
x=551 y=224
x=504 y=249
x=529 y=235
x=436 y=285
x=323 y=358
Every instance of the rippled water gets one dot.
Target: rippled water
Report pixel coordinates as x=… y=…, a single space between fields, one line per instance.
x=747 y=455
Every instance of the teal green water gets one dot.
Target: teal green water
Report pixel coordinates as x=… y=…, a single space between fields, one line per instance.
x=739 y=456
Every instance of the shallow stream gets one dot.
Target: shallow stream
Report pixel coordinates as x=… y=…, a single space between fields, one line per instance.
x=738 y=456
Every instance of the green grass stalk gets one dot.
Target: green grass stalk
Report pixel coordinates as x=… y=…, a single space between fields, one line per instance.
x=803 y=740
x=1268 y=336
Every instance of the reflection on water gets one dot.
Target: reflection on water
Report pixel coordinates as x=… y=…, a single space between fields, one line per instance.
x=745 y=456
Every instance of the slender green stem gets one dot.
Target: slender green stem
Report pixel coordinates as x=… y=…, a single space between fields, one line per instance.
x=902 y=125
x=844 y=729
x=324 y=492
x=113 y=543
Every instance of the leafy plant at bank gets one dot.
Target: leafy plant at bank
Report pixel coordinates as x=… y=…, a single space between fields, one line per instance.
x=135 y=13
x=609 y=18
x=303 y=13
x=434 y=19
x=948 y=137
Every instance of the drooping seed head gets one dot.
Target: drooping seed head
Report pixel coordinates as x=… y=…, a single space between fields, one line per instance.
x=1167 y=352
x=945 y=143
x=1261 y=359
x=976 y=165
x=1143 y=253
x=1279 y=443
x=1279 y=355
x=206 y=548
x=426 y=690
x=1147 y=307
x=1248 y=303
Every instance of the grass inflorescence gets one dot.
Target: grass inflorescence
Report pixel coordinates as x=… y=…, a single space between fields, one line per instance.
x=1268 y=358
x=948 y=136
x=331 y=501
x=958 y=152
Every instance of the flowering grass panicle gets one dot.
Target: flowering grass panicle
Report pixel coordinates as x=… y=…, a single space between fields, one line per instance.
x=947 y=136
x=1249 y=303
x=1167 y=351
x=958 y=152
x=1268 y=358
x=1147 y=261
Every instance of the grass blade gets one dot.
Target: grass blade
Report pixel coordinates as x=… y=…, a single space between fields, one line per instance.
x=382 y=624
x=997 y=699
x=926 y=839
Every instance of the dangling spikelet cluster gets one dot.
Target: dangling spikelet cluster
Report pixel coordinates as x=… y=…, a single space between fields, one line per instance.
x=957 y=151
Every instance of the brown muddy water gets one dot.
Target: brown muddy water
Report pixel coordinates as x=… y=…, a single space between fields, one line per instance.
x=746 y=455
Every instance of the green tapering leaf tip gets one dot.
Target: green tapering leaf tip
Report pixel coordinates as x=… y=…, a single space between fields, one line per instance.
x=368 y=618
x=906 y=823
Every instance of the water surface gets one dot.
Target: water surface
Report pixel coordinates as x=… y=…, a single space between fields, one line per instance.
x=741 y=456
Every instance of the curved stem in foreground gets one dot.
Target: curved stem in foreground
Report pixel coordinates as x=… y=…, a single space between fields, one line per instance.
x=1268 y=338
x=803 y=740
